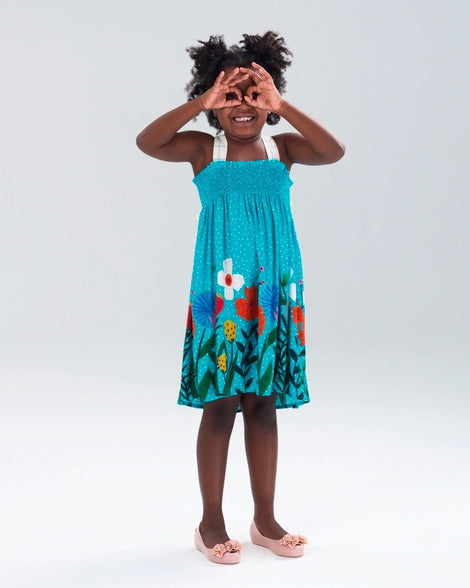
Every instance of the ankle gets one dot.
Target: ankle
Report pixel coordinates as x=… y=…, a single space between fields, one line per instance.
x=212 y=523
x=264 y=518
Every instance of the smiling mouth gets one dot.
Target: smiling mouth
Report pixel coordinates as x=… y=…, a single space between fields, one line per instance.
x=243 y=118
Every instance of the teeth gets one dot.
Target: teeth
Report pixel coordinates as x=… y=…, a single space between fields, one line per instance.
x=243 y=118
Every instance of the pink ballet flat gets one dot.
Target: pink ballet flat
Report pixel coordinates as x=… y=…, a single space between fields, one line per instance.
x=224 y=553
x=287 y=546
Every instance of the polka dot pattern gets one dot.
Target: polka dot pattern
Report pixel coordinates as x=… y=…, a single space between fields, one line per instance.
x=246 y=251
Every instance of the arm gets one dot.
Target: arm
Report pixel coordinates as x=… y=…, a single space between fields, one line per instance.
x=161 y=138
x=314 y=145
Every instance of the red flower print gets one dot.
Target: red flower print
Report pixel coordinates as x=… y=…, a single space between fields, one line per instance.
x=298 y=314
x=298 y=317
x=189 y=320
x=219 y=303
x=261 y=320
x=247 y=307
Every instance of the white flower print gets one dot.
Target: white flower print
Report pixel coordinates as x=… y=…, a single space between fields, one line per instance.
x=228 y=280
x=292 y=288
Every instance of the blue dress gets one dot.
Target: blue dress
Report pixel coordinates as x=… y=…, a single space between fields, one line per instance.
x=245 y=330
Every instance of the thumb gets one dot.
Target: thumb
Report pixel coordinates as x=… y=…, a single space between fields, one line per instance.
x=249 y=100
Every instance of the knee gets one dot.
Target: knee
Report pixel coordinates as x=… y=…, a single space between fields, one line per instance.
x=260 y=409
x=220 y=414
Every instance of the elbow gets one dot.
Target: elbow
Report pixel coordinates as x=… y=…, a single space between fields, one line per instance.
x=139 y=141
x=340 y=153
x=142 y=144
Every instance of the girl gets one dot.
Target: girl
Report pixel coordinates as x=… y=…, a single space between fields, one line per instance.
x=244 y=349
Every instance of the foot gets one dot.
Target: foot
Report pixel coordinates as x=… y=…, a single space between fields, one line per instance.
x=213 y=533
x=269 y=528
x=288 y=546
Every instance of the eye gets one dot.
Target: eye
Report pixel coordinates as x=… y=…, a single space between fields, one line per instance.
x=231 y=96
x=254 y=95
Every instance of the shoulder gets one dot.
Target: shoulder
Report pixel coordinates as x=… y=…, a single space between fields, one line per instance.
x=192 y=144
x=204 y=153
x=294 y=148
x=281 y=141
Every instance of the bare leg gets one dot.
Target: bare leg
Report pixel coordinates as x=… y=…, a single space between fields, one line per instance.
x=212 y=447
x=259 y=415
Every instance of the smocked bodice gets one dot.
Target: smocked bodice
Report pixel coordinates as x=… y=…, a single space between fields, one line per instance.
x=244 y=178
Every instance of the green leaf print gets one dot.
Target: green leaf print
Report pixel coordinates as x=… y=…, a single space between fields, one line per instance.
x=266 y=379
x=271 y=338
x=208 y=345
x=239 y=370
x=204 y=385
x=194 y=392
x=240 y=346
x=230 y=374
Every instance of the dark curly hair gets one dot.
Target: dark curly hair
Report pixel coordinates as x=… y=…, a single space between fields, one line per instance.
x=269 y=50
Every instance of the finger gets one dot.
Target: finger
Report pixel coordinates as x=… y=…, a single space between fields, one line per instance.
x=234 y=73
x=232 y=100
x=235 y=92
x=237 y=81
x=260 y=70
x=252 y=92
x=218 y=79
x=254 y=75
x=237 y=76
x=251 y=99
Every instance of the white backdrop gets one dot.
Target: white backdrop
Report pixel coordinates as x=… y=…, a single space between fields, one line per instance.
x=97 y=239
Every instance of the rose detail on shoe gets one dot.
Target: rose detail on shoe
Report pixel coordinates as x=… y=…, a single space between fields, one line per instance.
x=293 y=540
x=228 y=546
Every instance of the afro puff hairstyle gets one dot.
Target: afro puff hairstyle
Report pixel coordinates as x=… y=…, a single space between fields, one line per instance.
x=269 y=50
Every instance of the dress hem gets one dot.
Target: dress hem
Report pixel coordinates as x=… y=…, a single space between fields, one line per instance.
x=290 y=405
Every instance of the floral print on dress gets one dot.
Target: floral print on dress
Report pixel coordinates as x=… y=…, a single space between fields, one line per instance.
x=228 y=280
x=257 y=350
x=247 y=308
x=205 y=308
x=270 y=301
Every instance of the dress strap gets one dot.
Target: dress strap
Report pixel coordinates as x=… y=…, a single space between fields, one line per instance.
x=271 y=148
x=219 y=151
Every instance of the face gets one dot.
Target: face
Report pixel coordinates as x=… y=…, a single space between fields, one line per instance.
x=241 y=121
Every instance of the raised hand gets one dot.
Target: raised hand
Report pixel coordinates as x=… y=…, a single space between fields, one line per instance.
x=224 y=92
x=263 y=92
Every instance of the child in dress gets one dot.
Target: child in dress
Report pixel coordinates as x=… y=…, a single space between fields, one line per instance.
x=244 y=349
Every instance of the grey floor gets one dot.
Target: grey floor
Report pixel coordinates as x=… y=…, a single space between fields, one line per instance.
x=99 y=484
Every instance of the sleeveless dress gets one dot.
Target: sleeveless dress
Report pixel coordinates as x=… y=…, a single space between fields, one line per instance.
x=245 y=330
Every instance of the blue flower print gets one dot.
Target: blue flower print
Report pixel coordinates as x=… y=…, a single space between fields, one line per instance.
x=269 y=297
